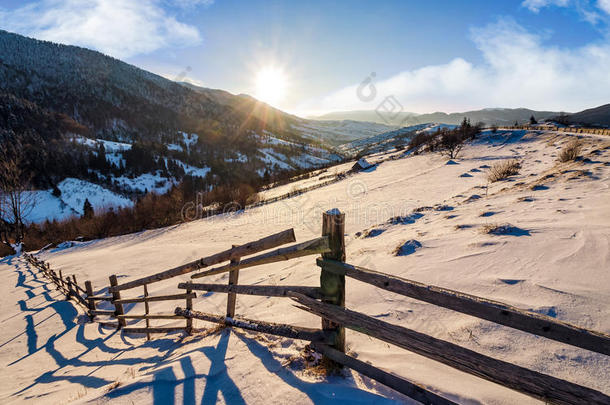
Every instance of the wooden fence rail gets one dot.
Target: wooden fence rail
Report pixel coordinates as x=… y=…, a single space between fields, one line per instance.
x=311 y=247
x=289 y=331
x=533 y=383
x=482 y=308
x=261 y=290
x=266 y=243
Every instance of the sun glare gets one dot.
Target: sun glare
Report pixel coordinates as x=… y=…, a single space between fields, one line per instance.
x=270 y=85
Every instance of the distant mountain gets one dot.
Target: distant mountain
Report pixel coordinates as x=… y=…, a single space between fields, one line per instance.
x=365 y=116
x=489 y=116
x=593 y=116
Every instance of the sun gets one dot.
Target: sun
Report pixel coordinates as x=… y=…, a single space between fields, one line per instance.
x=271 y=83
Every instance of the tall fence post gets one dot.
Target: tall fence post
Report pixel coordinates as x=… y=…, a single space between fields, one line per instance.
x=116 y=295
x=60 y=284
x=90 y=302
x=232 y=297
x=189 y=306
x=70 y=292
x=333 y=285
x=146 y=311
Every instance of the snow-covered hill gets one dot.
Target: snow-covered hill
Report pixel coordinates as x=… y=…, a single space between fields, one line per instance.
x=71 y=200
x=552 y=260
x=340 y=132
x=386 y=140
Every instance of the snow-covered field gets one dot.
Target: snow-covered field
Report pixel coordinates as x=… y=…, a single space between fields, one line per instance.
x=71 y=201
x=554 y=260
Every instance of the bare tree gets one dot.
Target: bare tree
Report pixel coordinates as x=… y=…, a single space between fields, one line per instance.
x=16 y=199
x=451 y=143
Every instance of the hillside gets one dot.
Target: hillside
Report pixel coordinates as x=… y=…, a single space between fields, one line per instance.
x=552 y=259
x=598 y=116
x=489 y=116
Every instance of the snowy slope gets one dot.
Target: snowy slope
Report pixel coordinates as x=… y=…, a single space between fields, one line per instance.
x=554 y=262
x=71 y=201
x=383 y=141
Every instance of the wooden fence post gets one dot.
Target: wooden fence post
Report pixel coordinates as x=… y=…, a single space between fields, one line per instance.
x=232 y=297
x=189 y=306
x=333 y=285
x=116 y=295
x=146 y=311
x=90 y=302
x=70 y=289
x=60 y=284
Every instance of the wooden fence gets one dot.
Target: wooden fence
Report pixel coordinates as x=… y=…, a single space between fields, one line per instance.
x=328 y=302
x=593 y=131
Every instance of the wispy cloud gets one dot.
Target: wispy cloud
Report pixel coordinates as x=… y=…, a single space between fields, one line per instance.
x=118 y=28
x=592 y=11
x=604 y=5
x=518 y=71
x=537 y=5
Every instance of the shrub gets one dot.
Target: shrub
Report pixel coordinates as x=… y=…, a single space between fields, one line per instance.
x=570 y=151
x=503 y=170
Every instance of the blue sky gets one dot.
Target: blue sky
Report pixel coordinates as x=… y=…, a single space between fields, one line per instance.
x=429 y=55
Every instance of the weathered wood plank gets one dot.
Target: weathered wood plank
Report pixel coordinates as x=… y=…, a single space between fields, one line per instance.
x=482 y=308
x=150 y=316
x=268 y=242
x=100 y=297
x=533 y=383
x=395 y=382
x=311 y=247
x=289 y=331
x=261 y=290
x=103 y=312
x=163 y=329
x=153 y=298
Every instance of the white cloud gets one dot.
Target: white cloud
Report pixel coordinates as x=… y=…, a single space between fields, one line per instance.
x=118 y=28
x=604 y=5
x=536 y=5
x=190 y=3
x=517 y=71
x=587 y=9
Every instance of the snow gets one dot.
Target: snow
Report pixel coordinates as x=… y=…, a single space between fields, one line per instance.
x=75 y=191
x=109 y=146
x=381 y=141
x=309 y=156
x=189 y=140
x=173 y=146
x=70 y=202
x=47 y=206
x=193 y=170
x=272 y=158
x=559 y=267
x=145 y=182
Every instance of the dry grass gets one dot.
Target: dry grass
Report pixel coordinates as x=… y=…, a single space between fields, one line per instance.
x=570 y=152
x=503 y=170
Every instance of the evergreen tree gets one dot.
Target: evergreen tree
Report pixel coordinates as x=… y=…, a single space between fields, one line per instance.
x=533 y=120
x=87 y=209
